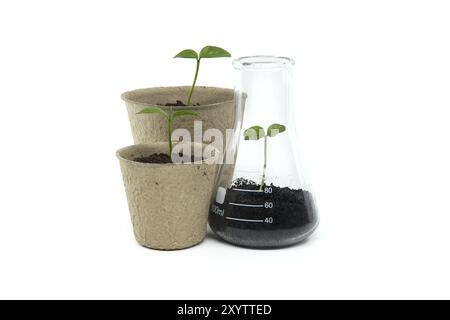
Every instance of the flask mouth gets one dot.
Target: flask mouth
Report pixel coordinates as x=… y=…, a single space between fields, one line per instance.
x=262 y=63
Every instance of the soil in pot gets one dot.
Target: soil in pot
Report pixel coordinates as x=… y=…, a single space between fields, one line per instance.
x=159 y=158
x=179 y=103
x=274 y=217
x=154 y=158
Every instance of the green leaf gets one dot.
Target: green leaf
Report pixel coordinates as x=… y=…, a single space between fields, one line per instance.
x=254 y=133
x=214 y=52
x=275 y=129
x=181 y=113
x=187 y=54
x=153 y=110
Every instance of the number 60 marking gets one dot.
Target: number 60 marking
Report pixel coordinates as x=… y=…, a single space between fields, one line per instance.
x=268 y=205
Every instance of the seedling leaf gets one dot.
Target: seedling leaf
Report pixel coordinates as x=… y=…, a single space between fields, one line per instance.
x=275 y=129
x=187 y=54
x=153 y=110
x=180 y=113
x=169 y=119
x=254 y=133
x=206 y=52
x=214 y=52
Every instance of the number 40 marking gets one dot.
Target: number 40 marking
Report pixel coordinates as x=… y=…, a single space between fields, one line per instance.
x=268 y=220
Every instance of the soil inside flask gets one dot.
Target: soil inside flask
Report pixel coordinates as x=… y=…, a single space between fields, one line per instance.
x=270 y=217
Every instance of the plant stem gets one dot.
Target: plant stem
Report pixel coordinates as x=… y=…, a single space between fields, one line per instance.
x=193 y=84
x=169 y=130
x=263 y=179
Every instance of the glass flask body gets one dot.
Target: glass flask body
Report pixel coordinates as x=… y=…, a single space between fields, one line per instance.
x=262 y=198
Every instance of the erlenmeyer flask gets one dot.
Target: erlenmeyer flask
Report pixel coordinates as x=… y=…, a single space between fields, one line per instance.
x=262 y=197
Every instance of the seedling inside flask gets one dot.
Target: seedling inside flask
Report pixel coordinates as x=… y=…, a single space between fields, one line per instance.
x=257 y=133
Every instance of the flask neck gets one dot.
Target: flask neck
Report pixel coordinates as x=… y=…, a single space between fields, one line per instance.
x=267 y=84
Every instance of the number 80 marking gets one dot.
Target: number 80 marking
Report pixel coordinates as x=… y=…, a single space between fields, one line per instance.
x=268 y=190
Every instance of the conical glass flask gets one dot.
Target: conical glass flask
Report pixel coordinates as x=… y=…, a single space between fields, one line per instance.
x=262 y=197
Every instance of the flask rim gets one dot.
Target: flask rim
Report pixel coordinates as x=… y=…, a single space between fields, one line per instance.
x=262 y=62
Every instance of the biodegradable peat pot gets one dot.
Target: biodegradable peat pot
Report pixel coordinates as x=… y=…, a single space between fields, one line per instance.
x=168 y=203
x=216 y=110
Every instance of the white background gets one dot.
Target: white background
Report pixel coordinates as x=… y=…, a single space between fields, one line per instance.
x=372 y=95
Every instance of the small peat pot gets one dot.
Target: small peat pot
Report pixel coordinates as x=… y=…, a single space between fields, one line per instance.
x=214 y=107
x=168 y=202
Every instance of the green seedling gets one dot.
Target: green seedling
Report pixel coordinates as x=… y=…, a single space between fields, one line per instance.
x=256 y=133
x=169 y=116
x=206 y=52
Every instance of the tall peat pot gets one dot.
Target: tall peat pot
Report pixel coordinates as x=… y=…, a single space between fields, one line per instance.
x=214 y=106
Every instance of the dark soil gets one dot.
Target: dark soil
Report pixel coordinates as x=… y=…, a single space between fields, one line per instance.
x=154 y=158
x=180 y=103
x=287 y=215
x=158 y=158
